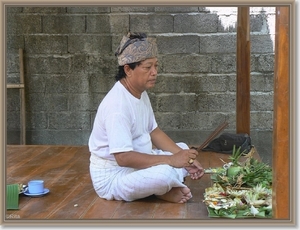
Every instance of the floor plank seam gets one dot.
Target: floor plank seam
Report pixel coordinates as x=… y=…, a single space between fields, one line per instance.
x=88 y=208
x=114 y=212
x=155 y=209
x=59 y=205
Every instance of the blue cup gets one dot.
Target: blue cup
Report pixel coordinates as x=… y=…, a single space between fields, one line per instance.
x=36 y=186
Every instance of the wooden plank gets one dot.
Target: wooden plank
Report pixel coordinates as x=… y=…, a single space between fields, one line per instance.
x=22 y=101
x=15 y=86
x=243 y=72
x=281 y=137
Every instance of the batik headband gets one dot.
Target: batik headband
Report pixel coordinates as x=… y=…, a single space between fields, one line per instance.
x=135 y=47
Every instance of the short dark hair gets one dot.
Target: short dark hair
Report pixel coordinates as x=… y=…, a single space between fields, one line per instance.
x=121 y=73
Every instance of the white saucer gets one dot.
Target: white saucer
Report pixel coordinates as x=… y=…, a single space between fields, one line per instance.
x=36 y=194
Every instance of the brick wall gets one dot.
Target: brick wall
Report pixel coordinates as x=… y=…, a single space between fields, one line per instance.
x=70 y=65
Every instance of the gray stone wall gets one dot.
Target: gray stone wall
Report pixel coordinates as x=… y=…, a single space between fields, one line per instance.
x=70 y=66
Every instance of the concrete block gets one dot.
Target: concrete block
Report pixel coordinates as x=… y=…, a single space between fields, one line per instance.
x=201 y=120
x=36 y=83
x=265 y=62
x=95 y=101
x=183 y=63
x=169 y=121
x=92 y=44
x=88 y=10
x=64 y=24
x=55 y=64
x=13 y=137
x=45 y=10
x=72 y=121
x=223 y=63
x=196 y=23
x=261 y=120
x=177 y=9
x=97 y=24
x=13 y=120
x=100 y=84
x=18 y=24
x=221 y=102
x=262 y=82
x=58 y=137
x=14 y=43
x=12 y=78
x=12 y=63
x=79 y=83
x=14 y=9
x=168 y=84
x=101 y=65
x=191 y=84
x=36 y=102
x=46 y=44
x=220 y=43
x=263 y=141
x=170 y=103
x=36 y=120
x=261 y=44
x=151 y=23
x=178 y=44
x=119 y=24
x=177 y=103
x=46 y=102
x=57 y=102
x=207 y=83
x=130 y=9
x=79 y=102
x=257 y=22
x=57 y=84
x=262 y=101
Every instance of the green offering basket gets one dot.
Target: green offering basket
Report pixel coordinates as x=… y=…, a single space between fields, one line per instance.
x=12 y=196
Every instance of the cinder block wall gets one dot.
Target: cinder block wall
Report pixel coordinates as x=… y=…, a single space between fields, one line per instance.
x=70 y=66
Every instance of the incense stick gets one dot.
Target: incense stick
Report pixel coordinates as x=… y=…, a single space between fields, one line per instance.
x=213 y=135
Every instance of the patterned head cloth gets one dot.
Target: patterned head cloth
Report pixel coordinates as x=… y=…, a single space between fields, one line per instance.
x=135 y=47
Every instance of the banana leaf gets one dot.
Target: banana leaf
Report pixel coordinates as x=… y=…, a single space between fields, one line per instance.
x=233 y=213
x=12 y=196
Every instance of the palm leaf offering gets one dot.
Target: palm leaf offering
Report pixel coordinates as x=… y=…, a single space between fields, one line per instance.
x=240 y=189
x=12 y=196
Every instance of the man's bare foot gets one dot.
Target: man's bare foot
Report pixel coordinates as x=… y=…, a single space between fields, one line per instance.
x=177 y=195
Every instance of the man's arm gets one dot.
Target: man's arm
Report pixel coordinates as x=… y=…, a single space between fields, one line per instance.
x=162 y=141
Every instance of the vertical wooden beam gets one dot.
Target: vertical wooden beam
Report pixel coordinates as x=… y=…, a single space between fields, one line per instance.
x=281 y=153
x=243 y=72
x=22 y=101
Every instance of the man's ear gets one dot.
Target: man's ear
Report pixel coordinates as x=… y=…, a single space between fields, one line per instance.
x=127 y=70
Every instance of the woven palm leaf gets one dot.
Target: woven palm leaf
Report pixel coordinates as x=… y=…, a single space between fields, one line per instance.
x=12 y=196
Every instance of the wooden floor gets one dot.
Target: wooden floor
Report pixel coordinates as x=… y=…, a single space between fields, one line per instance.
x=65 y=171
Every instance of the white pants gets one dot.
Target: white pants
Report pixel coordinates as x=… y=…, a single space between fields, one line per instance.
x=113 y=182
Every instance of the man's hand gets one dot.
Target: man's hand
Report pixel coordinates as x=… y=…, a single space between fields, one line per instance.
x=195 y=170
x=183 y=158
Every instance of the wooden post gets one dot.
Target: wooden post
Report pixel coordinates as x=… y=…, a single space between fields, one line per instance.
x=22 y=101
x=243 y=72
x=281 y=131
